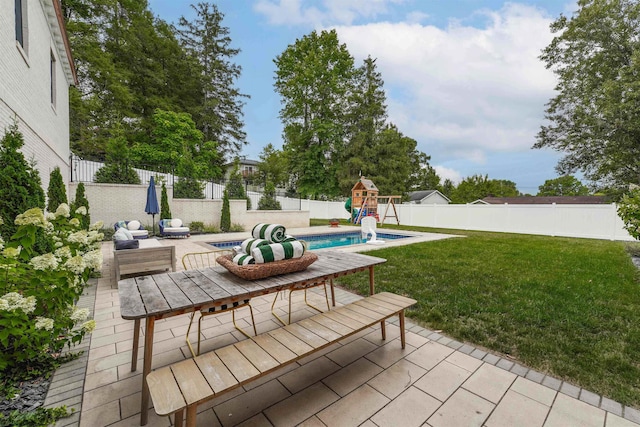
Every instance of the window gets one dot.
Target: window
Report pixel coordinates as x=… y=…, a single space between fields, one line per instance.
x=53 y=79
x=21 y=23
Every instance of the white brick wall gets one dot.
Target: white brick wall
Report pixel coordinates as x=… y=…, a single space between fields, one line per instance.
x=25 y=89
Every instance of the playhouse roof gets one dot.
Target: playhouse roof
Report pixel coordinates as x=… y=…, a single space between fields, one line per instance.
x=366 y=184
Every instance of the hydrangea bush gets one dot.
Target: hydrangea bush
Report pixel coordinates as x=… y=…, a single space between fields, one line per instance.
x=38 y=291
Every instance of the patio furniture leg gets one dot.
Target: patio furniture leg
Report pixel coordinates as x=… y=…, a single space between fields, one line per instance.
x=402 y=333
x=136 y=340
x=148 y=351
x=177 y=420
x=333 y=293
x=191 y=415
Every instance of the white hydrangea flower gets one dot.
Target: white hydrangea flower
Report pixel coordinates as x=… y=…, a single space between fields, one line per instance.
x=96 y=225
x=44 y=323
x=63 y=252
x=33 y=216
x=1 y=243
x=75 y=222
x=89 y=325
x=78 y=237
x=12 y=253
x=79 y=314
x=93 y=260
x=50 y=216
x=63 y=210
x=14 y=301
x=75 y=264
x=44 y=262
x=82 y=210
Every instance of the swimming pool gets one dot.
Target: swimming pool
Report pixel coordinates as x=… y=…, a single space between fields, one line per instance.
x=324 y=241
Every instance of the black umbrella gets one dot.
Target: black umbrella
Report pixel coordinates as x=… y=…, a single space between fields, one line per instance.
x=152 y=207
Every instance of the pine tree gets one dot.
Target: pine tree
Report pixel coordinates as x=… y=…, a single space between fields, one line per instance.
x=81 y=200
x=56 y=193
x=20 y=184
x=225 y=218
x=165 y=211
x=220 y=114
x=268 y=200
x=235 y=187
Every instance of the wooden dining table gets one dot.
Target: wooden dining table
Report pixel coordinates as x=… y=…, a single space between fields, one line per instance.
x=159 y=296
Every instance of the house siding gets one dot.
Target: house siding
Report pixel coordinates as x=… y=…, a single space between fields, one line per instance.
x=25 y=89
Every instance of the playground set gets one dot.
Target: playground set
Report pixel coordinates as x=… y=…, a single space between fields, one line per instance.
x=364 y=202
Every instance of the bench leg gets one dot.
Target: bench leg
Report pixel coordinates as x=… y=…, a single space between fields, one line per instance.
x=191 y=416
x=402 y=333
x=178 y=418
x=136 y=341
x=383 y=329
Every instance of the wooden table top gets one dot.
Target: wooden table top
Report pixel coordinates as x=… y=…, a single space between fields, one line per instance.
x=169 y=294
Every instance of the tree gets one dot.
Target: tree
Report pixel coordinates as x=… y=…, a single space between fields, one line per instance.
x=235 y=188
x=273 y=166
x=56 y=192
x=424 y=177
x=595 y=116
x=478 y=187
x=117 y=168
x=225 y=218
x=566 y=185
x=314 y=77
x=629 y=212
x=268 y=200
x=366 y=119
x=219 y=115
x=81 y=200
x=20 y=184
x=165 y=210
x=448 y=188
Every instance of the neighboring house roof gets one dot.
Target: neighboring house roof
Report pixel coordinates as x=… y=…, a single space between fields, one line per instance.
x=55 y=19
x=416 y=196
x=244 y=162
x=547 y=200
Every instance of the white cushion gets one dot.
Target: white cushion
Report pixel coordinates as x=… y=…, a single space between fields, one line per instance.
x=122 y=234
x=133 y=225
x=175 y=223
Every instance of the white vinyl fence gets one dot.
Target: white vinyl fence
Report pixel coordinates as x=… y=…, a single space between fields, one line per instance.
x=588 y=221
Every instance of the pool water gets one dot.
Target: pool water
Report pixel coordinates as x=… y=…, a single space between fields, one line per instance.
x=324 y=241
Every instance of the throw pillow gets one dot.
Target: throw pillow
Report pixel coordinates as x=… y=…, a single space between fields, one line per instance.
x=134 y=225
x=175 y=223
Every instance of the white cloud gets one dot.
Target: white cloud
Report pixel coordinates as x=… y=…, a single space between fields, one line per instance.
x=463 y=92
x=321 y=12
x=448 y=173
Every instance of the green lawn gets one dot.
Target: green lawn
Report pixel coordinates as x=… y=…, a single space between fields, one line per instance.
x=567 y=307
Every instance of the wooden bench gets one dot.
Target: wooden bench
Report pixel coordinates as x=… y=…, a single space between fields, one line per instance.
x=191 y=382
x=150 y=256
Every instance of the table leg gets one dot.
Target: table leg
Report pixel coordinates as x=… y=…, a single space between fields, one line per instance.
x=148 y=351
x=136 y=340
x=333 y=293
x=372 y=289
x=402 y=333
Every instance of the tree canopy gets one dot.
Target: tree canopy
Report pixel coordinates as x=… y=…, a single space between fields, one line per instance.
x=567 y=185
x=478 y=187
x=595 y=116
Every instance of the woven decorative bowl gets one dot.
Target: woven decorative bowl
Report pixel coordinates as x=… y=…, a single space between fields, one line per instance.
x=268 y=269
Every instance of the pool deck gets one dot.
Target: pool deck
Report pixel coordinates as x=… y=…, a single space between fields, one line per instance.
x=361 y=381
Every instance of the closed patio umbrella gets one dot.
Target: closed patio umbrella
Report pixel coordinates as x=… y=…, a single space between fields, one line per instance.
x=152 y=207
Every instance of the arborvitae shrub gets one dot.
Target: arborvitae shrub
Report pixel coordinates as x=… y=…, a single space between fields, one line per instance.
x=165 y=210
x=225 y=219
x=57 y=192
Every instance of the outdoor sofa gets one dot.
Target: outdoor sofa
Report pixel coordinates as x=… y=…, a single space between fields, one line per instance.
x=173 y=228
x=135 y=228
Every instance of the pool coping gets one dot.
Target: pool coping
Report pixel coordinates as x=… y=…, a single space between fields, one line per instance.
x=414 y=237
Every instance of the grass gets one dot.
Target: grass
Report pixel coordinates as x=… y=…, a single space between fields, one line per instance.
x=566 y=307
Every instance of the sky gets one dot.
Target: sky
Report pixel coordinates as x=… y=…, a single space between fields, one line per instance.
x=462 y=77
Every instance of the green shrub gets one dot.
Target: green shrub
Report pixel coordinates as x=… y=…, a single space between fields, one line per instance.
x=629 y=211
x=38 y=290
x=117 y=173
x=236 y=228
x=57 y=192
x=188 y=188
x=225 y=218
x=268 y=200
x=197 y=226
x=165 y=210
x=235 y=186
x=81 y=200
x=20 y=184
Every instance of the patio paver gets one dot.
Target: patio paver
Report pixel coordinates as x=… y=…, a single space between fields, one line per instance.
x=435 y=381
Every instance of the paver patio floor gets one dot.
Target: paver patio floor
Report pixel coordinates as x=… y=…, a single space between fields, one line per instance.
x=361 y=381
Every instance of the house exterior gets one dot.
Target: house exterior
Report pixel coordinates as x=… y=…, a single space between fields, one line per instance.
x=545 y=200
x=428 y=197
x=247 y=168
x=36 y=70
